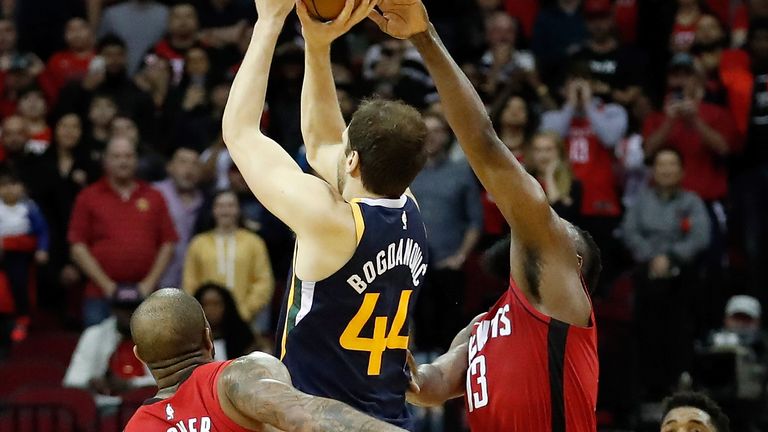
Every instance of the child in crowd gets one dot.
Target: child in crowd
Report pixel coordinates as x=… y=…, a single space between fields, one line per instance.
x=23 y=239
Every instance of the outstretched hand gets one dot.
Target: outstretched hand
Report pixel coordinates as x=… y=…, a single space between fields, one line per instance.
x=274 y=9
x=318 y=33
x=401 y=19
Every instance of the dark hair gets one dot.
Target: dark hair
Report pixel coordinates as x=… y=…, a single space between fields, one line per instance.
x=497 y=113
x=702 y=402
x=110 y=40
x=655 y=155
x=495 y=260
x=236 y=333
x=389 y=139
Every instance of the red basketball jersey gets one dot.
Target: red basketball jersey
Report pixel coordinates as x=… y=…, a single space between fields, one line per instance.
x=592 y=164
x=194 y=407
x=529 y=372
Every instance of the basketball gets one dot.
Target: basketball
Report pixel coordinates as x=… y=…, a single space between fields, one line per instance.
x=325 y=10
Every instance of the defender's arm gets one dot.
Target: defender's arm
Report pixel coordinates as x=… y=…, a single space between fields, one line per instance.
x=258 y=387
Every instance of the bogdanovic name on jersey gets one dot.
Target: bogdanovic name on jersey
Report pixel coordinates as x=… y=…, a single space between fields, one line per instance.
x=405 y=253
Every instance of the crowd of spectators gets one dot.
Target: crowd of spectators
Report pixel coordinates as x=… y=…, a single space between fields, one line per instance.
x=646 y=123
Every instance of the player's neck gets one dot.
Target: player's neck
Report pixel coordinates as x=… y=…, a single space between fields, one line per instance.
x=170 y=374
x=355 y=189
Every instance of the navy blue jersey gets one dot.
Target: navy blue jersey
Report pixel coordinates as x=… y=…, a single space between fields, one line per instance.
x=346 y=337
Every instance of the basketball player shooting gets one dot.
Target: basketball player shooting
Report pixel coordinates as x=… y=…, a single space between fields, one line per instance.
x=361 y=249
x=530 y=363
x=252 y=393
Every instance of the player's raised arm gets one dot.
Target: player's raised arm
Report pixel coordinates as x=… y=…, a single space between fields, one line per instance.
x=541 y=238
x=258 y=388
x=272 y=175
x=520 y=198
x=322 y=124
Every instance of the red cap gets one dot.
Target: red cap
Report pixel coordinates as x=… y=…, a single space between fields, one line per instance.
x=597 y=8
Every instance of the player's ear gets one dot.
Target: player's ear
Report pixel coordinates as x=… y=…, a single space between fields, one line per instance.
x=208 y=341
x=136 y=353
x=353 y=163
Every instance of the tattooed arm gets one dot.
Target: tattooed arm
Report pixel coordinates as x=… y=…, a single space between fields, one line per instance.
x=256 y=390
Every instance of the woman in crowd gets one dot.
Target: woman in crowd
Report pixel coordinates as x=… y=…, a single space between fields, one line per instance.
x=233 y=257
x=548 y=163
x=61 y=173
x=232 y=337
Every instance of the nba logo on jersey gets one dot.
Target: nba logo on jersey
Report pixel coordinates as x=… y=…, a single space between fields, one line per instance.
x=168 y=412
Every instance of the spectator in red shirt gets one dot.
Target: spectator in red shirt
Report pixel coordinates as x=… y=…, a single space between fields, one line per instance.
x=120 y=232
x=592 y=129
x=72 y=63
x=183 y=27
x=704 y=133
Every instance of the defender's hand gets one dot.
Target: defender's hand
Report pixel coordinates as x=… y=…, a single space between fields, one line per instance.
x=318 y=33
x=401 y=19
x=274 y=9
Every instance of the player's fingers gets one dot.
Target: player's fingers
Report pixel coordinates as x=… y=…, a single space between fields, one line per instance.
x=346 y=13
x=302 y=12
x=362 y=11
x=379 y=19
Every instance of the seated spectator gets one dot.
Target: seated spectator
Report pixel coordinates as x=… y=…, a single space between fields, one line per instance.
x=22 y=73
x=140 y=23
x=103 y=361
x=450 y=203
x=108 y=76
x=687 y=18
x=692 y=412
x=23 y=241
x=61 y=173
x=8 y=41
x=549 y=165
x=665 y=231
x=616 y=70
x=733 y=15
x=183 y=26
x=235 y=258
x=558 y=32
x=184 y=199
x=34 y=109
x=72 y=63
x=120 y=232
x=232 y=338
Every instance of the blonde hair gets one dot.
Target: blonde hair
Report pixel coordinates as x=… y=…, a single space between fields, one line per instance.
x=563 y=172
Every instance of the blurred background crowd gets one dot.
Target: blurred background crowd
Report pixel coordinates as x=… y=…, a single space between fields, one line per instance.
x=646 y=122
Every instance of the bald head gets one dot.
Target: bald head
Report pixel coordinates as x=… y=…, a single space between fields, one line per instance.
x=168 y=325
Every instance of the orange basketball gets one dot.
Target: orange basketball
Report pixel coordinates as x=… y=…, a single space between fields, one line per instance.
x=325 y=10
